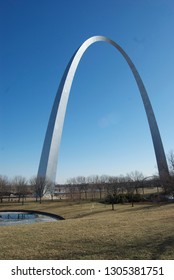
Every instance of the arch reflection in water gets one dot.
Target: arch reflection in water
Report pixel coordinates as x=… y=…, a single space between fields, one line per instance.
x=16 y=218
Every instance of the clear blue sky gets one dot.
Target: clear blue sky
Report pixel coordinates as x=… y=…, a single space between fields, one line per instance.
x=105 y=129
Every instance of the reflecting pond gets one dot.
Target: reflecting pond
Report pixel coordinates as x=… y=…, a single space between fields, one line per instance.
x=16 y=218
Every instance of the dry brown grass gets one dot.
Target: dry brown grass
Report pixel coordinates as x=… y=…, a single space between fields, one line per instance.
x=92 y=231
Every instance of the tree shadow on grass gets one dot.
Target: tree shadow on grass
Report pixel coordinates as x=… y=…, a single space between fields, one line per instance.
x=163 y=247
x=140 y=207
x=151 y=249
x=111 y=249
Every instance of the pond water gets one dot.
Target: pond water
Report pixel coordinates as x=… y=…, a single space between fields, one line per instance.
x=16 y=218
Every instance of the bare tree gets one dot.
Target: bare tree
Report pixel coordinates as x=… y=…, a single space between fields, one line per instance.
x=70 y=190
x=5 y=189
x=136 y=177
x=41 y=186
x=134 y=182
x=112 y=193
x=19 y=185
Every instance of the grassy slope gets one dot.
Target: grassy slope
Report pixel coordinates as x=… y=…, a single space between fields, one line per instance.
x=93 y=231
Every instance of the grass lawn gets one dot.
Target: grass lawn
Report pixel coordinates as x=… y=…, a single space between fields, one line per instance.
x=92 y=231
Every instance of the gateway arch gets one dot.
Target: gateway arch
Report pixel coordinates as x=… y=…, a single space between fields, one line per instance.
x=49 y=156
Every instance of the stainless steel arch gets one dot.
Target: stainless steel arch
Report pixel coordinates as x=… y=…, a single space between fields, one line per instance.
x=49 y=156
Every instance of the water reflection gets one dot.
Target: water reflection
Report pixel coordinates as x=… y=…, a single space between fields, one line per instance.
x=16 y=218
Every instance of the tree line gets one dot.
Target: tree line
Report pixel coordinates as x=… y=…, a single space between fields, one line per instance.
x=21 y=188
x=113 y=188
